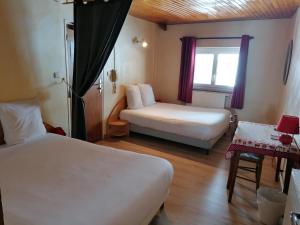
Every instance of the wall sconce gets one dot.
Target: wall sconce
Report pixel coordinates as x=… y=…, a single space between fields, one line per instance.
x=142 y=42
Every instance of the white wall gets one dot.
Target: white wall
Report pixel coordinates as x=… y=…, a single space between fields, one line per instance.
x=31 y=49
x=134 y=64
x=291 y=92
x=265 y=62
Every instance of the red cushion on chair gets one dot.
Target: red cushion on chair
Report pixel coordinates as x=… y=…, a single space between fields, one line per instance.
x=58 y=130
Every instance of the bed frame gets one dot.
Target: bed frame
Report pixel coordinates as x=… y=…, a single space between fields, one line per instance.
x=204 y=145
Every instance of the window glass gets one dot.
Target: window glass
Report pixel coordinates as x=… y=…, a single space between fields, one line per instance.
x=216 y=68
x=203 y=68
x=227 y=69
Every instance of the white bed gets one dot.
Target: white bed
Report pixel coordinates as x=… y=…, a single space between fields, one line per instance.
x=56 y=180
x=197 y=126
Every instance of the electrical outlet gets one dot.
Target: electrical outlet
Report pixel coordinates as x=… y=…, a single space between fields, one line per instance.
x=57 y=78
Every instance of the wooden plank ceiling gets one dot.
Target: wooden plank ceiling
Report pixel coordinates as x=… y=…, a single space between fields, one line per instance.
x=191 y=11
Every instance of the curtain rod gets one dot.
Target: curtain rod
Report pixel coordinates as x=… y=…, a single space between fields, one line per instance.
x=66 y=2
x=236 y=37
x=72 y=2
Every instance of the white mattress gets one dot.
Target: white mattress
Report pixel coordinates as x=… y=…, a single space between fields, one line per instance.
x=195 y=122
x=61 y=181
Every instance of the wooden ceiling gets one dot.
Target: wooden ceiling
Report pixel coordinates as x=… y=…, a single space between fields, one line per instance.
x=192 y=11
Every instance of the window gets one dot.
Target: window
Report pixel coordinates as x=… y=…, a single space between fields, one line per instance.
x=216 y=68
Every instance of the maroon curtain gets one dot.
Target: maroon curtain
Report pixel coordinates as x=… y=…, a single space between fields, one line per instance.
x=188 y=54
x=238 y=94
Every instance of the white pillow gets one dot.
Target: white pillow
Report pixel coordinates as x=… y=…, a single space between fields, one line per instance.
x=147 y=94
x=21 y=121
x=134 y=99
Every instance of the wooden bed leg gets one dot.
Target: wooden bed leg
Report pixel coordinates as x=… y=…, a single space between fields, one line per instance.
x=207 y=152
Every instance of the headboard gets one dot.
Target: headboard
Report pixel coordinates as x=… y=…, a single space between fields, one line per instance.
x=115 y=112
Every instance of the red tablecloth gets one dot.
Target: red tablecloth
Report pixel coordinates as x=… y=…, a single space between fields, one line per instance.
x=261 y=139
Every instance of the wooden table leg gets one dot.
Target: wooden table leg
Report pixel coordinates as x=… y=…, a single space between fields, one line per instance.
x=235 y=166
x=277 y=169
x=287 y=177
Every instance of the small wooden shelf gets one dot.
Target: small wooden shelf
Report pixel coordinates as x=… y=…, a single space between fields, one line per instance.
x=118 y=128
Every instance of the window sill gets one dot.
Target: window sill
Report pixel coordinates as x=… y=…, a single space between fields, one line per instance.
x=209 y=88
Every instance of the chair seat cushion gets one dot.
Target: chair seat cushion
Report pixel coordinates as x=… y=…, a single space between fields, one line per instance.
x=251 y=157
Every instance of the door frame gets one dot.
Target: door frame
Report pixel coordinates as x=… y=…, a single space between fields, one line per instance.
x=100 y=80
x=67 y=46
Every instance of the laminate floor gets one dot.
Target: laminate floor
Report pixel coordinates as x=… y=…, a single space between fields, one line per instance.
x=198 y=194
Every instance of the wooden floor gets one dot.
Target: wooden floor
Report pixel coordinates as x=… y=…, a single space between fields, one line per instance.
x=198 y=193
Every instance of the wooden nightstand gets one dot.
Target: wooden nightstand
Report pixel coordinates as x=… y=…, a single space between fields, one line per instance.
x=118 y=128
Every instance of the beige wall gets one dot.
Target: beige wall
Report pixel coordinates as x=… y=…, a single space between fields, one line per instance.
x=265 y=63
x=134 y=64
x=291 y=92
x=31 y=49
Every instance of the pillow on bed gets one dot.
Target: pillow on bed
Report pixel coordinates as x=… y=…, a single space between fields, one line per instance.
x=147 y=94
x=21 y=121
x=134 y=99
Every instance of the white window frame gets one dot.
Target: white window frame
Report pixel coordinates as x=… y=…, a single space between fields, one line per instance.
x=213 y=87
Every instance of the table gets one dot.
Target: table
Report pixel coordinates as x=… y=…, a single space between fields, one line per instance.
x=118 y=128
x=259 y=139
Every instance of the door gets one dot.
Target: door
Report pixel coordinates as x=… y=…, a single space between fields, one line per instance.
x=93 y=112
x=93 y=98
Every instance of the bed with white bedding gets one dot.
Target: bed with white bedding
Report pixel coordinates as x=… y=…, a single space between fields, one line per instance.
x=197 y=126
x=54 y=180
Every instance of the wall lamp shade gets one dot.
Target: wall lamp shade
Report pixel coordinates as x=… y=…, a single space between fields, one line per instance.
x=142 y=42
x=288 y=124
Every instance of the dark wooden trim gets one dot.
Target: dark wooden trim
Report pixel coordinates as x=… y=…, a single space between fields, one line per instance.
x=221 y=20
x=163 y=26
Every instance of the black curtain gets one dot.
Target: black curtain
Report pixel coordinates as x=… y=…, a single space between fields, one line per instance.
x=97 y=25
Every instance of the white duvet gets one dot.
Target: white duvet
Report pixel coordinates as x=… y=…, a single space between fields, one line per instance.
x=195 y=122
x=56 y=180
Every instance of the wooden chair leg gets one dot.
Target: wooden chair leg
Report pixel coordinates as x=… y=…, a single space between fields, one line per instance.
x=277 y=169
x=258 y=174
x=230 y=173
x=234 y=173
x=287 y=177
